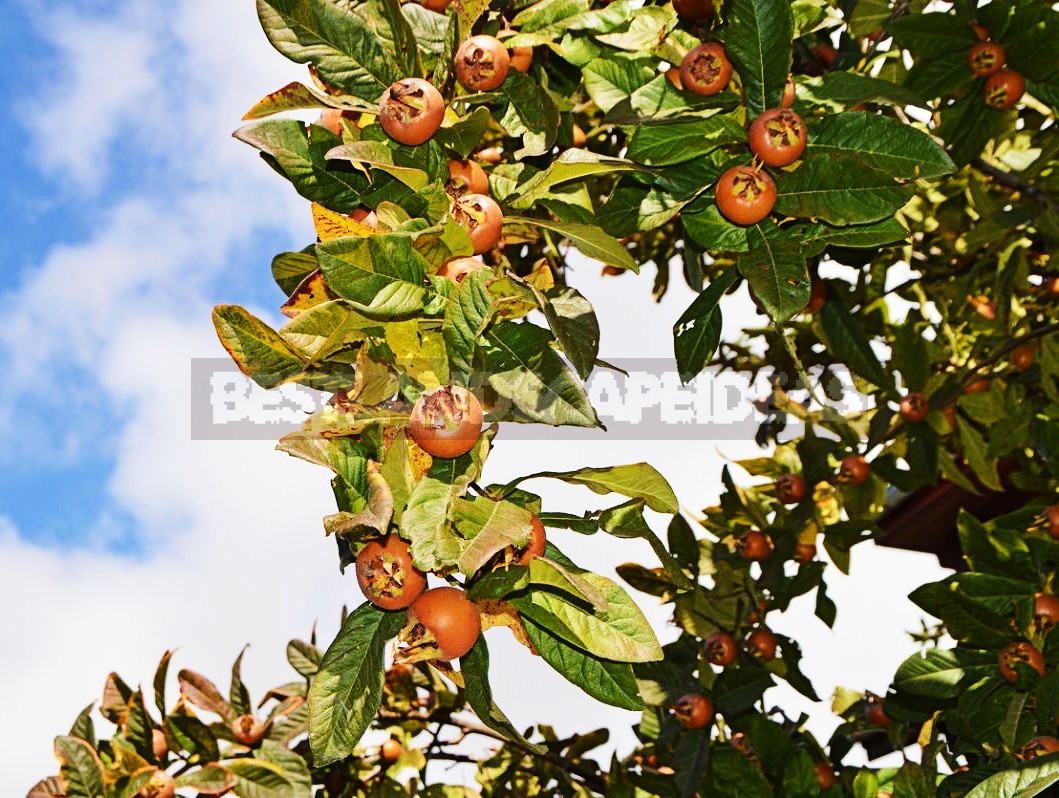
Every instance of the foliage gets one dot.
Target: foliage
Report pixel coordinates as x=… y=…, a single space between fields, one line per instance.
x=909 y=245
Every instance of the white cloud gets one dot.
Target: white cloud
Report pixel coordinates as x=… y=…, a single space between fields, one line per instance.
x=232 y=529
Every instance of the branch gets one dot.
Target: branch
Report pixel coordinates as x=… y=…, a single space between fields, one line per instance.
x=589 y=778
x=1011 y=345
x=1015 y=183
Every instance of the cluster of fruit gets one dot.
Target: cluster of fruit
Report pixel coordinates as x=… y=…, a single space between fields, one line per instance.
x=443 y=623
x=1003 y=87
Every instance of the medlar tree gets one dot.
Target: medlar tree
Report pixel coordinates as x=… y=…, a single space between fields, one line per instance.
x=811 y=150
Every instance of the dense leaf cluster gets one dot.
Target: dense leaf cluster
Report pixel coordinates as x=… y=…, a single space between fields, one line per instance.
x=909 y=245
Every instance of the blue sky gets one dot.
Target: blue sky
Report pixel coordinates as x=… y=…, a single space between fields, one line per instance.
x=128 y=211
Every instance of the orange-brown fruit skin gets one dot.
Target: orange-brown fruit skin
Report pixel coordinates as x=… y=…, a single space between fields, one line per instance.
x=694 y=10
x=782 y=122
x=468 y=175
x=482 y=63
x=386 y=574
x=1039 y=746
x=1013 y=85
x=482 y=218
x=1022 y=357
x=248 y=730
x=698 y=58
x=451 y=617
x=720 y=649
x=436 y=429
x=161 y=785
x=1051 y=517
x=854 y=470
x=804 y=553
x=1019 y=652
x=537 y=541
x=761 y=643
x=875 y=713
x=693 y=711
x=817 y=295
x=458 y=268
x=159 y=744
x=914 y=407
x=393 y=112
x=390 y=750
x=825 y=776
x=790 y=488
x=1045 y=611
x=744 y=209
x=755 y=546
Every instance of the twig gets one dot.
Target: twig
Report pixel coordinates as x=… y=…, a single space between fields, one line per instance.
x=592 y=779
x=1015 y=183
x=1011 y=345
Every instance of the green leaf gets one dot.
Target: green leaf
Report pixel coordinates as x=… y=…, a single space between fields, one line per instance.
x=426 y=524
x=621 y=633
x=850 y=88
x=705 y=225
x=474 y=665
x=636 y=481
x=610 y=682
x=345 y=51
x=677 y=142
x=609 y=81
x=976 y=611
x=379 y=155
x=292 y=97
x=572 y=164
x=573 y=321
x=734 y=773
x=304 y=658
x=213 y=779
x=192 y=735
x=257 y=778
x=976 y=450
x=1029 y=779
x=80 y=768
x=697 y=332
x=238 y=695
x=525 y=370
x=499 y=525
x=302 y=159
x=203 y=693
x=592 y=241
x=401 y=43
x=466 y=316
x=886 y=144
x=531 y=114
x=937 y=674
x=758 y=43
x=289 y=269
x=839 y=188
x=382 y=275
x=847 y=341
x=776 y=271
x=930 y=33
x=256 y=348
x=346 y=692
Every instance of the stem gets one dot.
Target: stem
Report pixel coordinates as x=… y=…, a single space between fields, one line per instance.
x=1015 y=183
x=799 y=367
x=589 y=778
x=1011 y=345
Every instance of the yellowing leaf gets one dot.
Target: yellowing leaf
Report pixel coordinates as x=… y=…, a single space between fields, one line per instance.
x=495 y=612
x=311 y=291
x=330 y=224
